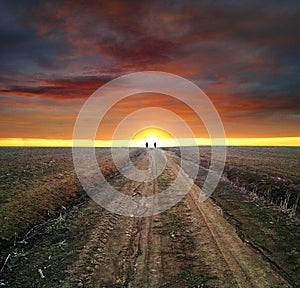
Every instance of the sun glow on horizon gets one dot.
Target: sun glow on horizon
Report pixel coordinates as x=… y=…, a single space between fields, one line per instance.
x=153 y=135
x=162 y=141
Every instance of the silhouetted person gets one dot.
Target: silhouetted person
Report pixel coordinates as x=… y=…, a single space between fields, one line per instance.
x=154 y=144
x=146 y=144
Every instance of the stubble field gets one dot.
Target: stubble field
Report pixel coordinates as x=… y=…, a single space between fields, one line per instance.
x=53 y=235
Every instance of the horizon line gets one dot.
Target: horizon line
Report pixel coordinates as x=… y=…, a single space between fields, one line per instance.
x=163 y=142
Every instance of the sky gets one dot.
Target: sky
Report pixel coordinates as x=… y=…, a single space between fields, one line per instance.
x=244 y=55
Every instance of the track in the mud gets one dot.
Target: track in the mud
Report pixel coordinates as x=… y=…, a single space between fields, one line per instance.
x=156 y=251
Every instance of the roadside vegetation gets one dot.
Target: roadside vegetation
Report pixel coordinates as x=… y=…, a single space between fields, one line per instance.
x=259 y=194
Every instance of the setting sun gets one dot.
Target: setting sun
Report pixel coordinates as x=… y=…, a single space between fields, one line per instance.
x=153 y=135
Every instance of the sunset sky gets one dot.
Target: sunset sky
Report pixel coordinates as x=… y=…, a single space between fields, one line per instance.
x=244 y=55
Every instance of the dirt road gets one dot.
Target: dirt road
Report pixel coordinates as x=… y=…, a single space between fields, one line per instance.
x=190 y=245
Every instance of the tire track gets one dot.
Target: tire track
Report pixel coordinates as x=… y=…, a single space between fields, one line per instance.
x=248 y=268
x=128 y=252
x=93 y=254
x=144 y=238
x=118 y=251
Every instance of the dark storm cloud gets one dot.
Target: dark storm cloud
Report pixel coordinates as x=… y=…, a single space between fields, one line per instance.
x=22 y=50
x=64 y=88
x=111 y=28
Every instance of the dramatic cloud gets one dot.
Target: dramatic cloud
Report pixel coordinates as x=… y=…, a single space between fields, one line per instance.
x=72 y=88
x=243 y=54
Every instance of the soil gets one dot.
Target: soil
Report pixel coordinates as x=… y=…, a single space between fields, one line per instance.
x=193 y=244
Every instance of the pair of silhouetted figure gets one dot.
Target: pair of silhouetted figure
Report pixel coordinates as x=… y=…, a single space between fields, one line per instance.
x=148 y=145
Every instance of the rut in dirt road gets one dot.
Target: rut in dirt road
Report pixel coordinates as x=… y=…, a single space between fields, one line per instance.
x=189 y=245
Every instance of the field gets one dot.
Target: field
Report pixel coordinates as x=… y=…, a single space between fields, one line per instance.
x=246 y=235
